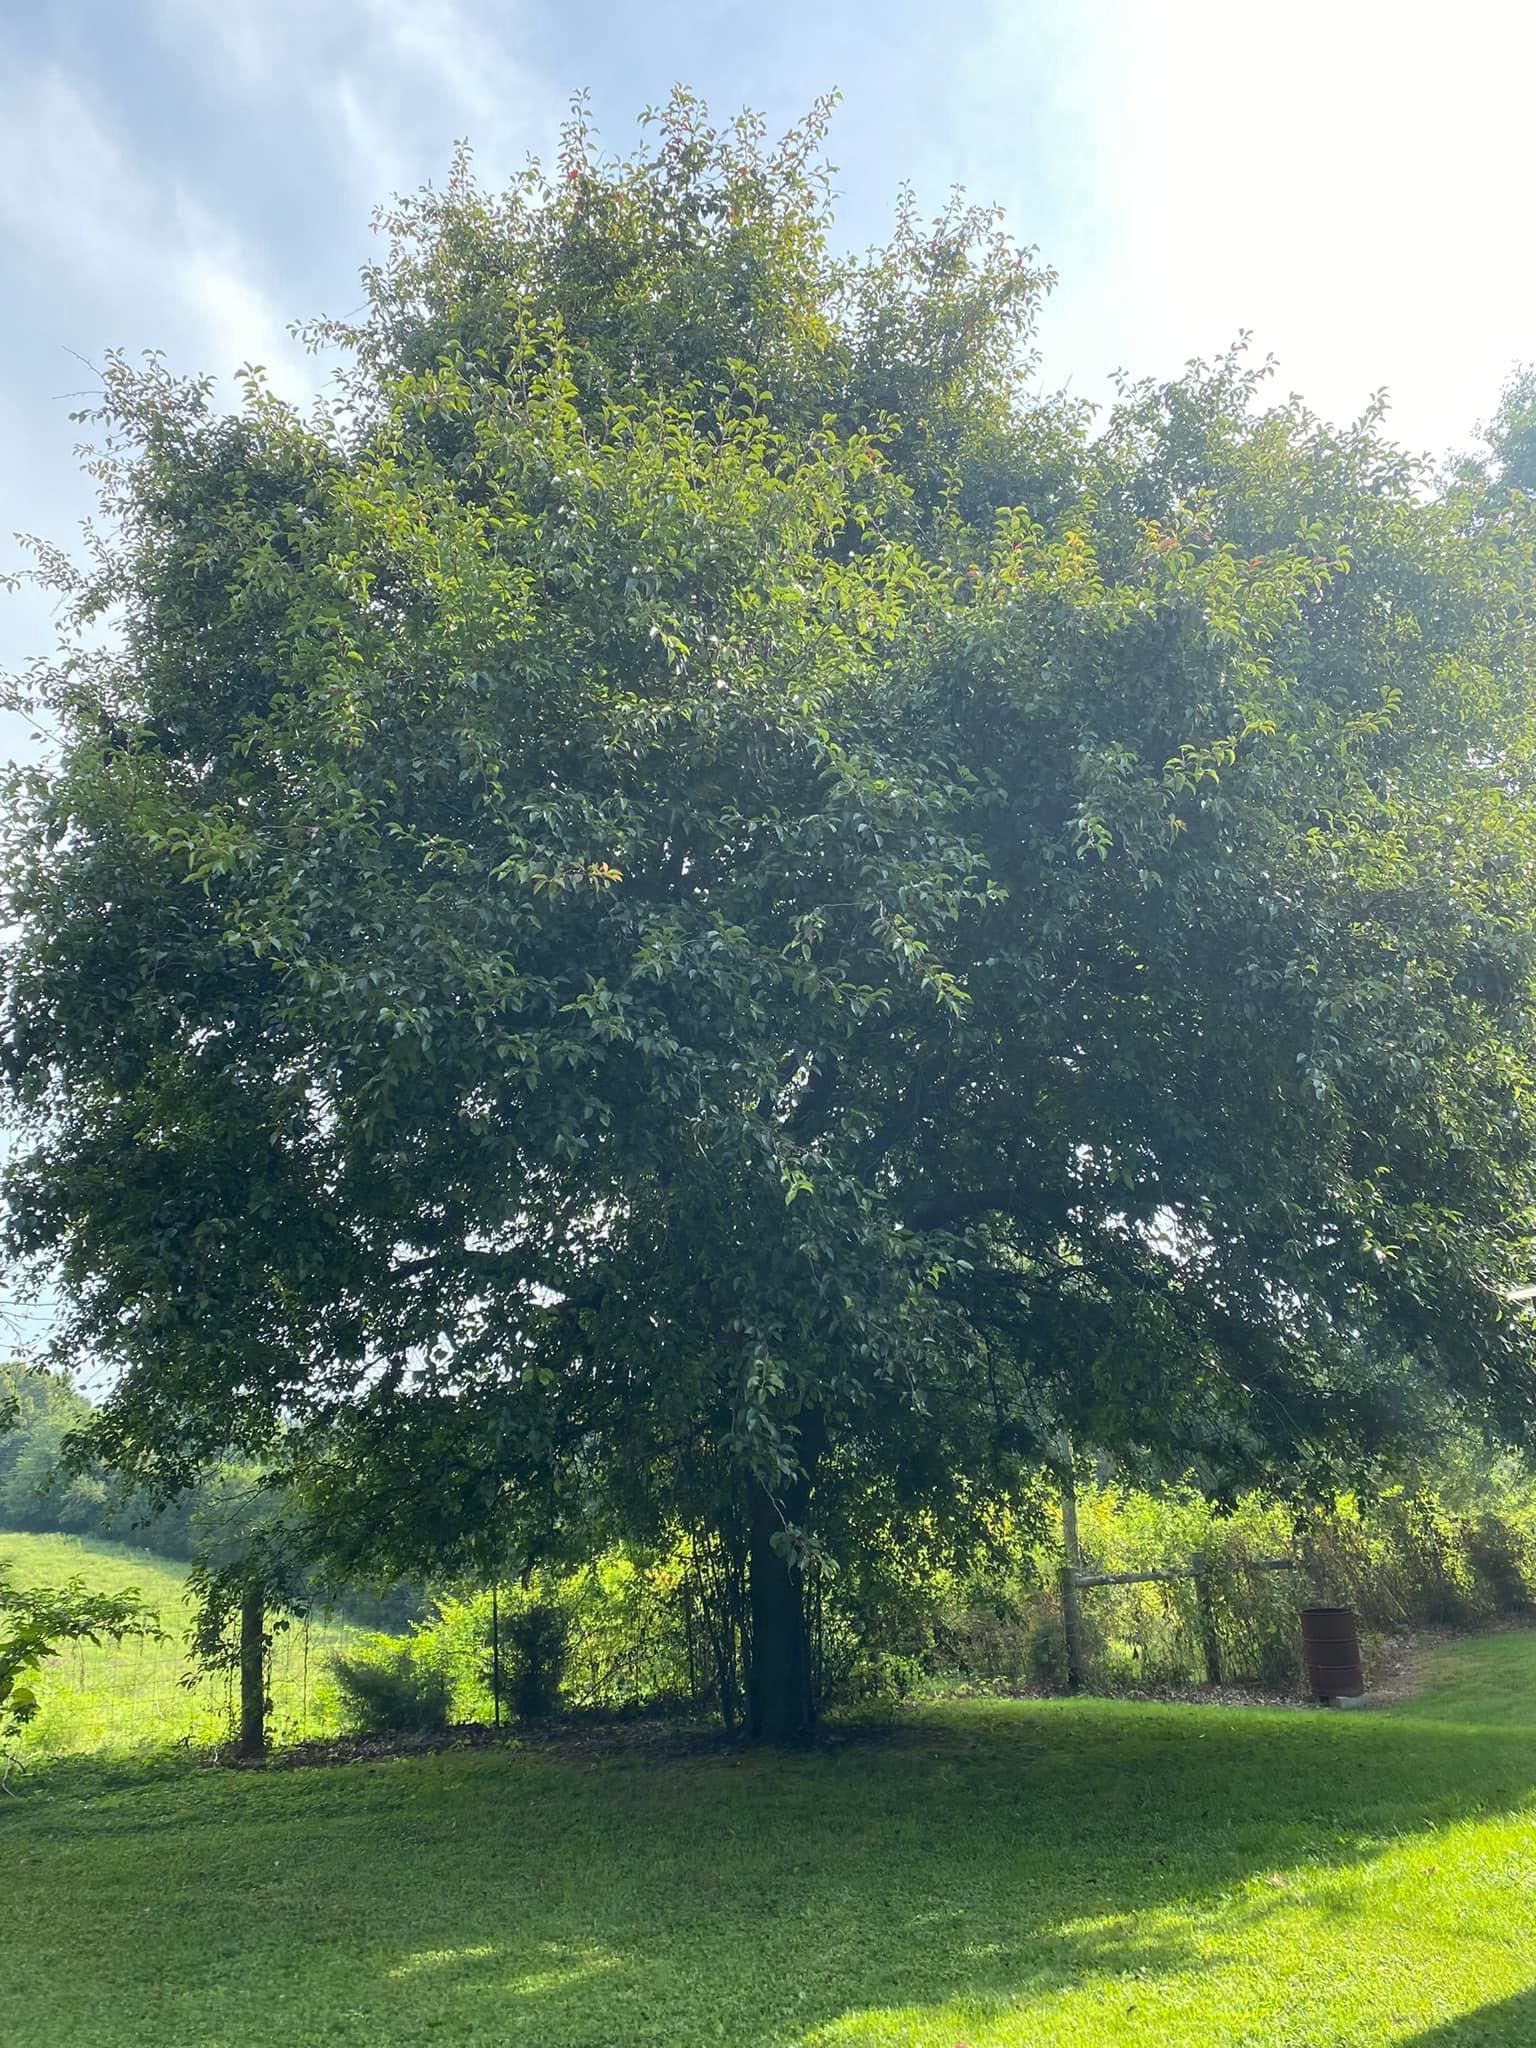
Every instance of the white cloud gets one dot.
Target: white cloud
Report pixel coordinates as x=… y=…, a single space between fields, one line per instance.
x=378 y=165
x=62 y=178
x=1349 y=182
x=246 y=35
x=239 y=324
x=120 y=239
x=383 y=85
x=464 y=62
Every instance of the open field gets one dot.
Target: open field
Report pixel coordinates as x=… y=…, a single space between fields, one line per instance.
x=1032 y=1874
x=130 y=1695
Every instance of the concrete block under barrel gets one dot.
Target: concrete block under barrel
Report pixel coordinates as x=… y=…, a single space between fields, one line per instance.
x=1330 y=1649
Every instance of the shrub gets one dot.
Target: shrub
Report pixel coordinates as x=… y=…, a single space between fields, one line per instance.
x=392 y=1687
x=1503 y=1561
x=538 y=1639
x=880 y=1675
x=626 y=1647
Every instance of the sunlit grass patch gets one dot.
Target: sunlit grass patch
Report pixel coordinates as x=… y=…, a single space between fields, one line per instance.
x=133 y=1695
x=1056 y=1874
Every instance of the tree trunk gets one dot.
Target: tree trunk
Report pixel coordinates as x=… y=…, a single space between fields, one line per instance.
x=781 y=1697
x=1072 y=1561
x=253 y=1677
x=496 y=1653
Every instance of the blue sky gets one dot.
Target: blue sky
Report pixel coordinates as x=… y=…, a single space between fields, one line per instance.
x=1350 y=181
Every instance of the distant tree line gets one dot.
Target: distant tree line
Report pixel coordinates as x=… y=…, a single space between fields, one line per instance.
x=42 y=1492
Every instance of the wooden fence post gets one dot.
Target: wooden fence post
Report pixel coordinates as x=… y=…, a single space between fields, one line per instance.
x=1210 y=1641
x=253 y=1676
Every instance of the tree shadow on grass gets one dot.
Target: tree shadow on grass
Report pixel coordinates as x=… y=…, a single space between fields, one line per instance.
x=997 y=1858
x=1509 y=2024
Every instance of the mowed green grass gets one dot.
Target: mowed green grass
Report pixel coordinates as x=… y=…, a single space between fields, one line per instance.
x=1489 y=1681
x=1036 y=1875
x=131 y=1695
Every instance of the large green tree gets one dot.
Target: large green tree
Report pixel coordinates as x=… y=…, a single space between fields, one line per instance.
x=694 y=905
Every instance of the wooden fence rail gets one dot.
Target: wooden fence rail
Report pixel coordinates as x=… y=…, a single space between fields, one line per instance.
x=1074 y=1582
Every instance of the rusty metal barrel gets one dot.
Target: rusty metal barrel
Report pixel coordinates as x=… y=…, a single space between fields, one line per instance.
x=1330 y=1649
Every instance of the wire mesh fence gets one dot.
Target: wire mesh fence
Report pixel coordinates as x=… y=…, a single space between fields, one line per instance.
x=144 y=1692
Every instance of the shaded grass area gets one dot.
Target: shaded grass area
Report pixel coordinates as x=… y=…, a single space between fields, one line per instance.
x=1502 y=2025
x=130 y=1695
x=1041 y=1873
x=1488 y=1681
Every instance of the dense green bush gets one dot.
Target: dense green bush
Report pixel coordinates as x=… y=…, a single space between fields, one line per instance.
x=613 y=1639
x=538 y=1637
x=389 y=1686
x=1502 y=1554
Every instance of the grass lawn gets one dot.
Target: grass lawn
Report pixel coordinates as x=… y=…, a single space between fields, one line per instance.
x=1036 y=1875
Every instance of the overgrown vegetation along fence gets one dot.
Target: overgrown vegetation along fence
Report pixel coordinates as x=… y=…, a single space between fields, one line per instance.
x=1176 y=1596
x=1075 y=1582
x=1177 y=1589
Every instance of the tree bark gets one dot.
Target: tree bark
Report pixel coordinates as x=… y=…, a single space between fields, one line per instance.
x=781 y=1694
x=496 y=1653
x=1072 y=1560
x=253 y=1677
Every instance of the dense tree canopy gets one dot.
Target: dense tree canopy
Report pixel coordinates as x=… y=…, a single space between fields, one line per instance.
x=693 y=904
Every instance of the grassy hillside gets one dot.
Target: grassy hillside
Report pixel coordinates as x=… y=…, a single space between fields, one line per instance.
x=130 y=1695
x=1084 y=1874
x=1487 y=1682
